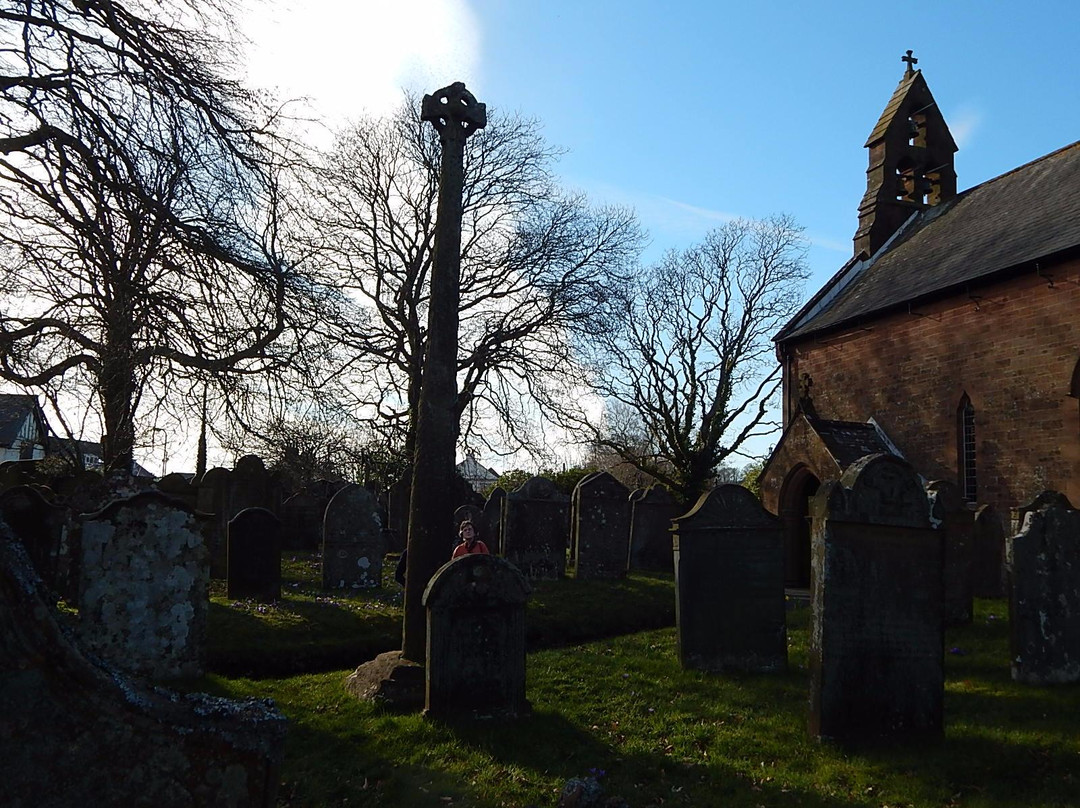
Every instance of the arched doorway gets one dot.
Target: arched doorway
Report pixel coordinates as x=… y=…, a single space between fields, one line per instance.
x=800 y=485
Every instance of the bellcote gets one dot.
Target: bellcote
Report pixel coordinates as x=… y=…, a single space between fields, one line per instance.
x=911 y=162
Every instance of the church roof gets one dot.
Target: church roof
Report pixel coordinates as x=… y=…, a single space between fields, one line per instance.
x=911 y=84
x=1027 y=215
x=848 y=441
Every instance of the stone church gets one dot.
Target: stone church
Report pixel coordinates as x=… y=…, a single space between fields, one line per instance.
x=950 y=338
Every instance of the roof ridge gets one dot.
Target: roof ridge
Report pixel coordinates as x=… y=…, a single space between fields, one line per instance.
x=1011 y=171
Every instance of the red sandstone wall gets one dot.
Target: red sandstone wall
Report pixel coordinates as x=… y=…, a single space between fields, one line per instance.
x=1012 y=348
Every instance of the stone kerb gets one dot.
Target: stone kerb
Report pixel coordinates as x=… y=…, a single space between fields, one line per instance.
x=1043 y=561
x=949 y=513
x=876 y=636
x=651 y=512
x=729 y=584
x=353 y=544
x=602 y=527
x=144 y=587
x=535 y=526
x=475 y=608
x=78 y=733
x=254 y=556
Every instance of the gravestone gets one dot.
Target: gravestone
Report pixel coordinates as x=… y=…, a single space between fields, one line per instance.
x=475 y=608
x=876 y=638
x=535 y=524
x=353 y=549
x=728 y=556
x=178 y=486
x=250 y=486
x=1043 y=560
x=254 y=557
x=74 y=732
x=1042 y=500
x=493 y=519
x=949 y=513
x=212 y=497
x=651 y=512
x=988 y=554
x=143 y=596
x=602 y=530
x=302 y=518
x=42 y=527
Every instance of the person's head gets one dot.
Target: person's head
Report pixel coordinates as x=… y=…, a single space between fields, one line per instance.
x=467 y=532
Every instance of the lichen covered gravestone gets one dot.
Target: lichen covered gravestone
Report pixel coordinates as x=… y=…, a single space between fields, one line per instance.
x=729 y=584
x=143 y=595
x=353 y=545
x=1044 y=604
x=476 y=639
x=602 y=527
x=535 y=526
x=877 y=666
x=75 y=733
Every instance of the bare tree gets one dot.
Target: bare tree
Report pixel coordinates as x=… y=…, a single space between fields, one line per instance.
x=140 y=208
x=536 y=263
x=689 y=374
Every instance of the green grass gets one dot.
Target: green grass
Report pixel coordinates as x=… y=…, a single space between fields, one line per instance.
x=668 y=737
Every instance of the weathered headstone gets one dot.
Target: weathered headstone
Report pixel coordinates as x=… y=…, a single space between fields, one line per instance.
x=476 y=639
x=213 y=497
x=250 y=486
x=143 y=596
x=353 y=549
x=42 y=527
x=651 y=512
x=178 y=486
x=948 y=512
x=254 y=556
x=493 y=519
x=302 y=517
x=877 y=638
x=729 y=584
x=1043 y=560
x=988 y=554
x=602 y=530
x=75 y=733
x=535 y=525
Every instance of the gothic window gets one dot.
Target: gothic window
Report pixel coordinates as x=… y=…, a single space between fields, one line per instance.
x=966 y=445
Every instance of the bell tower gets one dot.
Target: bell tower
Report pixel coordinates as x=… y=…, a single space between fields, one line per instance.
x=911 y=161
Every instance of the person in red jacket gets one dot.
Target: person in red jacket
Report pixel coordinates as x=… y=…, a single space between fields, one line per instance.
x=469 y=542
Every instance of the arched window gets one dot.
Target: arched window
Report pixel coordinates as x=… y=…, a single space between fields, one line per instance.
x=965 y=433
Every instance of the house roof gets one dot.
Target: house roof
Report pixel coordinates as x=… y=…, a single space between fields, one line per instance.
x=1027 y=215
x=14 y=407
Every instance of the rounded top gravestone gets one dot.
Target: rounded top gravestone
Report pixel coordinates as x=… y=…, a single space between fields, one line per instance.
x=879 y=489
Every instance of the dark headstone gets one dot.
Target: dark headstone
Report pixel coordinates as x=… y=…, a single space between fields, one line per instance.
x=254 y=556
x=493 y=519
x=353 y=546
x=729 y=584
x=250 y=486
x=876 y=639
x=143 y=597
x=76 y=733
x=476 y=639
x=1042 y=500
x=602 y=530
x=302 y=518
x=988 y=554
x=42 y=527
x=949 y=512
x=651 y=512
x=214 y=492
x=1044 y=604
x=178 y=487
x=535 y=524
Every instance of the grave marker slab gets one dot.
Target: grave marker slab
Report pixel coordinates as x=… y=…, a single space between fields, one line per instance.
x=950 y=513
x=602 y=530
x=651 y=512
x=876 y=638
x=988 y=554
x=254 y=568
x=535 y=526
x=353 y=546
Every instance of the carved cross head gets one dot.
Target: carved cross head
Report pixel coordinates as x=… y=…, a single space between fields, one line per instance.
x=911 y=62
x=454 y=111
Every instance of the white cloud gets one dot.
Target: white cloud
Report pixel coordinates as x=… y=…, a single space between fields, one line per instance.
x=963 y=123
x=354 y=56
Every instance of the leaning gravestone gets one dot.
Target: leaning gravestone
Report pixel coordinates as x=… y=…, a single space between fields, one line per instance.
x=254 y=568
x=352 y=549
x=651 y=512
x=144 y=589
x=535 y=524
x=988 y=554
x=493 y=519
x=729 y=584
x=602 y=529
x=1044 y=602
x=476 y=639
x=42 y=527
x=949 y=513
x=76 y=733
x=876 y=638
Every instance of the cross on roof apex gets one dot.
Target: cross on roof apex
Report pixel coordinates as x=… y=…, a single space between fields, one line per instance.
x=911 y=62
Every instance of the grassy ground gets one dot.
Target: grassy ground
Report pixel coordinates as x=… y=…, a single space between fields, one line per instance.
x=660 y=736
